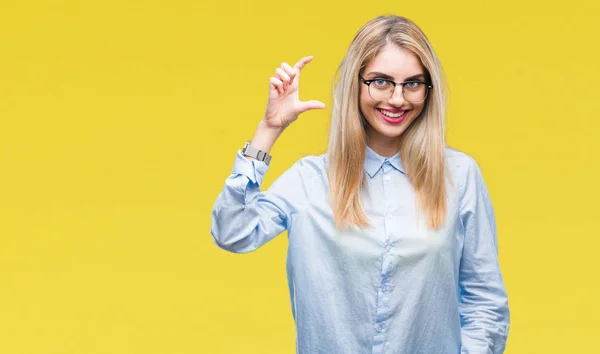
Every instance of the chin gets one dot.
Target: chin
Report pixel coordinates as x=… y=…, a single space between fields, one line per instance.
x=392 y=133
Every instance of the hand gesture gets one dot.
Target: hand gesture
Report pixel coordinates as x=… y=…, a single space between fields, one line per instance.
x=284 y=105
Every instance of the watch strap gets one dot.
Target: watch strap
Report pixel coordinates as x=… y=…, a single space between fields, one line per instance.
x=256 y=153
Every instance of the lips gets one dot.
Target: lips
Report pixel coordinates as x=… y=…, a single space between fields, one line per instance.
x=393 y=116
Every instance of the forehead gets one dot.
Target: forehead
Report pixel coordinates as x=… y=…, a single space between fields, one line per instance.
x=395 y=61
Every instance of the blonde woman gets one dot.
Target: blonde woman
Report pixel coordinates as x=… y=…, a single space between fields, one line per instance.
x=392 y=237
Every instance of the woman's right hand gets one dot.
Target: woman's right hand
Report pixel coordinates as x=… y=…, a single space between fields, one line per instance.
x=284 y=105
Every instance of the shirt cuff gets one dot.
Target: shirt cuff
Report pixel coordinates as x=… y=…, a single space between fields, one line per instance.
x=255 y=170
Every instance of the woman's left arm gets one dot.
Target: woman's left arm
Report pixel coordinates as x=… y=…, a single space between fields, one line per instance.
x=483 y=303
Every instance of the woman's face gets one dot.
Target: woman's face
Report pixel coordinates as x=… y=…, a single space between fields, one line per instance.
x=399 y=65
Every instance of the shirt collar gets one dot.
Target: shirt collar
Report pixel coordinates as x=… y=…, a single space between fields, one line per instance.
x=373 y=162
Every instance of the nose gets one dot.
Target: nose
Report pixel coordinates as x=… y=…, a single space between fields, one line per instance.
x=397 y=97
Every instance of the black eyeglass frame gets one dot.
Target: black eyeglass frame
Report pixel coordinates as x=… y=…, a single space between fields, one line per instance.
x=428 y=86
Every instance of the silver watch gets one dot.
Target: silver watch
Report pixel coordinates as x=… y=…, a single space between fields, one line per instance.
x=253 y=152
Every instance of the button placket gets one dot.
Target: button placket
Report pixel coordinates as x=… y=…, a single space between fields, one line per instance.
x=387 y=206
x=387 y=168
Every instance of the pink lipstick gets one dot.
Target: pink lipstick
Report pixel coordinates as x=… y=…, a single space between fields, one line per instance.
x=393 y=120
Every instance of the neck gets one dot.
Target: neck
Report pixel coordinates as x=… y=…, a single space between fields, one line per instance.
x=383 y=145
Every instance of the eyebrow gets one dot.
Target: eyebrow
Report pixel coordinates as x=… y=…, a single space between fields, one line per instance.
x=386 y=76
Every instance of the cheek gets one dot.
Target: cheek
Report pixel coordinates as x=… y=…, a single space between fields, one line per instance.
x=364 y=98
x=418 y=109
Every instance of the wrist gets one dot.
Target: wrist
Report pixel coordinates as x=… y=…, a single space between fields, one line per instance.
x=265 y=136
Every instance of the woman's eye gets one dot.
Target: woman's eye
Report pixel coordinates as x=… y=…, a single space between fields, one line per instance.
x=411 y=84
x=380 y=82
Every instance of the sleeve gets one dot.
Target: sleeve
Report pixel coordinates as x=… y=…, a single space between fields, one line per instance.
x=483 y=301
x=243 y=216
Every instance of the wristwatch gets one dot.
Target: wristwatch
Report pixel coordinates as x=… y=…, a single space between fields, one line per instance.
x=253 y=152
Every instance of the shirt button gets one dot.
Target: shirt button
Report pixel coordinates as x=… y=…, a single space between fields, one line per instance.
x=387 y=178
x=380 y=328
x=385 y=288
x=388 y=248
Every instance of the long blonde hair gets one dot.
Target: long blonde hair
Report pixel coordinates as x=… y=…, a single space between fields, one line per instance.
x=421 y=145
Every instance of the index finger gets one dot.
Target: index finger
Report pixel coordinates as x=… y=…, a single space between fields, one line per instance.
x=302 y=62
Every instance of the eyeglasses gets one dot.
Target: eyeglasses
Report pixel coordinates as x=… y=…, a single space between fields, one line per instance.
x=383 y=89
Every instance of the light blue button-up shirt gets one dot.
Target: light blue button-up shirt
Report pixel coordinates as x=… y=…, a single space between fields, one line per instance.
x=396 y=287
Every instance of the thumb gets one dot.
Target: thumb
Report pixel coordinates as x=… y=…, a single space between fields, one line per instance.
x=308 y=105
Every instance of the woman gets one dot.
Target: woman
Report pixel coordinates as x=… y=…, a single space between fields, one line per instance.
x=392 y=237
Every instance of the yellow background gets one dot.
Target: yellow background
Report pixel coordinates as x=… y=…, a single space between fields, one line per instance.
x=119 y=122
